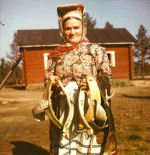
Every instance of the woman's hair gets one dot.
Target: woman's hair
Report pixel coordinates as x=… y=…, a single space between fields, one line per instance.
x=68 y=19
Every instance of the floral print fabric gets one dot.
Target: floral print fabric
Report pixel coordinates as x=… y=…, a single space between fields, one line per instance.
x=80 y=62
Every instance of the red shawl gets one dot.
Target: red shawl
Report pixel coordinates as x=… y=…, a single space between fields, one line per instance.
x=64 y=48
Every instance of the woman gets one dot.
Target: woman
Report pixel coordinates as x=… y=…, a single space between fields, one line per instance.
x=72 y=62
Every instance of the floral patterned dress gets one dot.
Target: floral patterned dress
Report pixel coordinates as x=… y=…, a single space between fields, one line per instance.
x=82 y=61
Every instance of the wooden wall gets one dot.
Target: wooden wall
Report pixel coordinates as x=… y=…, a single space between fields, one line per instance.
x=33 y=63
x=123 y=62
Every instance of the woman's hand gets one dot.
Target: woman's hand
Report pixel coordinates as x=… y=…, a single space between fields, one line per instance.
x=84 y=84
x=53 y=79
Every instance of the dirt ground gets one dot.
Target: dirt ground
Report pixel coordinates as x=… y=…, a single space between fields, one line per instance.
x=20 y=134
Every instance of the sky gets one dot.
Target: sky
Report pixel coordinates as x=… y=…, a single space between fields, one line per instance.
x=41 y=14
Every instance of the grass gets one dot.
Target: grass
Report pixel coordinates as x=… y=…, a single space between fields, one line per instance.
x=139 y=153
x=131 y=140
x=119 y=83
x=37 y=89
x=144 y=148
x=135 y=127
x=135 y=137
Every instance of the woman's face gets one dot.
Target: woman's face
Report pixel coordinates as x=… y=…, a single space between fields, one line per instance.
x=73 y=30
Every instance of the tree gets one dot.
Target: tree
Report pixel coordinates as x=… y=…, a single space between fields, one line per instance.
x=89 y=22
x=4 y=68
x=14 y=53
x=108 y=25
x=13 y=56
x=142 y=48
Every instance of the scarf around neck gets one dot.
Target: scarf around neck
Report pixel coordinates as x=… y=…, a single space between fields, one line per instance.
x=64 y=48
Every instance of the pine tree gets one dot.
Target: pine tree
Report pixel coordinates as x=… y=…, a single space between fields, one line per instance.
x=108 y=25
x=4 y=68
x=14 y=53
x=90 y=22
x=142 y=48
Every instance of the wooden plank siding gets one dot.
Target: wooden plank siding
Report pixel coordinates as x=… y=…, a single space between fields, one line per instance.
x=131 y=67
x=33 y=66
x=123 y=62
x=33 y=63
x=34 y=43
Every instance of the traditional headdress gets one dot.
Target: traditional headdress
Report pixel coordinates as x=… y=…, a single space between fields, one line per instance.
x=67 y=11
x=73 y=10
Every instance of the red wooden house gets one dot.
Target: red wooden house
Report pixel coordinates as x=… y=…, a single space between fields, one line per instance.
x=35 y=45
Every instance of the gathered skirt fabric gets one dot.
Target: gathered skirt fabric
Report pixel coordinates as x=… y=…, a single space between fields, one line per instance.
x=74 y=142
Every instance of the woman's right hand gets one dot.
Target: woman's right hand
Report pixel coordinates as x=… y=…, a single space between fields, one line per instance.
x=52 y=78
x=84 y=84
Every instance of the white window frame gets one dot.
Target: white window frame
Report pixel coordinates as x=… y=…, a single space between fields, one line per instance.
x=45 y=60
x=112 y=58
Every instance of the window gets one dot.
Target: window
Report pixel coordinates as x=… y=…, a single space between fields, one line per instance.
x=45 y=60
x=111 y=57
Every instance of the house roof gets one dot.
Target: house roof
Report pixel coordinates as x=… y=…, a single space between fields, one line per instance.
x=51 y=37
x=111 y=36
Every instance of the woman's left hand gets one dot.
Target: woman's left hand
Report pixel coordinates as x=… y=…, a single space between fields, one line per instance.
x=84 y=84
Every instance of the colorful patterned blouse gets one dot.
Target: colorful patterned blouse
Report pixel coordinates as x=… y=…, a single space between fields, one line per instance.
x=80 y=62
